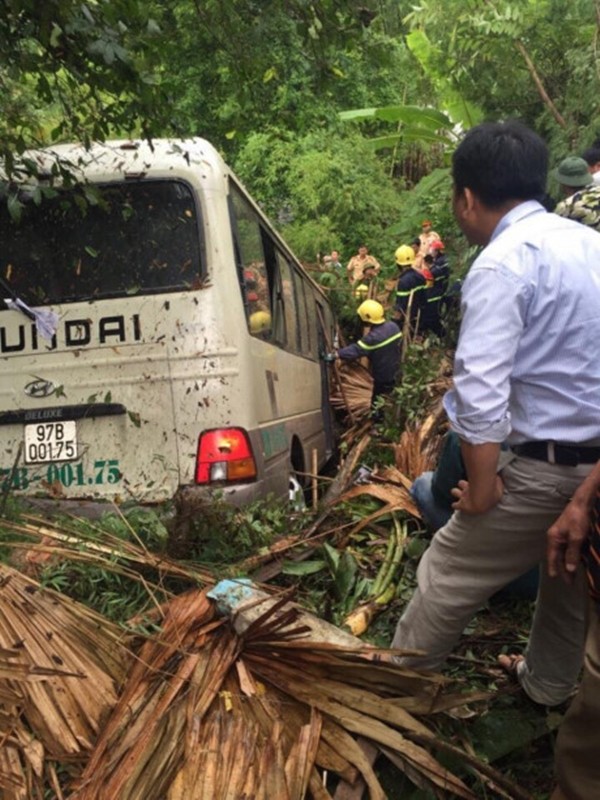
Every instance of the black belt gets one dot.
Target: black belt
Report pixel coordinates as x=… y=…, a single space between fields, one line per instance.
x=567 y=455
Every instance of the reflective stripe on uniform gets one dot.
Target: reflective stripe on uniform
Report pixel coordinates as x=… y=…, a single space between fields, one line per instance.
x=393 y=338
x=410 y=291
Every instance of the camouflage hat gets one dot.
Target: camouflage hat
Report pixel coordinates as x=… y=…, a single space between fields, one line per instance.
x=573 y=171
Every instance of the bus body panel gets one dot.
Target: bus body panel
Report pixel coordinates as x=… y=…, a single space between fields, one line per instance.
x=145 y=375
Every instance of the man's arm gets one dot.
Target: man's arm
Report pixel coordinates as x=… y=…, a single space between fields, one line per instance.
x=566 y=537
x=483 y=488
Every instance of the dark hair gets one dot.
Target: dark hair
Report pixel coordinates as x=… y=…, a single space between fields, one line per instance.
x=501 y=161
x=592 y=154
x=416 y=241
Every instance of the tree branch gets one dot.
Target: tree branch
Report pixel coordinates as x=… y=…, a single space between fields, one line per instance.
x=540 y=86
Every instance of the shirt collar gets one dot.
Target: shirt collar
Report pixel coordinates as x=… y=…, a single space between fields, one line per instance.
x=516 y=214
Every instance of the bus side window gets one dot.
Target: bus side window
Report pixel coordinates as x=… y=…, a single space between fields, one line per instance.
x=312 y=321
x=248 y=242
x=287 y=305
x=303 y=320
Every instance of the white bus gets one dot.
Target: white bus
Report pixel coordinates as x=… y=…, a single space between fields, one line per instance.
x=184 y=341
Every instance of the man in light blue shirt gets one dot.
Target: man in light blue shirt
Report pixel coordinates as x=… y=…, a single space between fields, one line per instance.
x=526 y=371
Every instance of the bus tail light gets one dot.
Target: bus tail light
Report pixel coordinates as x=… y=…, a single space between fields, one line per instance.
x=224 y=454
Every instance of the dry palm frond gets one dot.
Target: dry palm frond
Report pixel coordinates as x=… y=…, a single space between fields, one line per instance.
x=60 y=667
x=395 y=498
x=419 y=447
x=354 y=389
x=95 y=546
x=209 y=714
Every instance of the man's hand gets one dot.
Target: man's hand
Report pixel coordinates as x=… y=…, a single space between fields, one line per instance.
x=565 y=539
x=473 y=505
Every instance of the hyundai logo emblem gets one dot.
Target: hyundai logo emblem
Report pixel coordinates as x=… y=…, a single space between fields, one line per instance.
x=40 y=388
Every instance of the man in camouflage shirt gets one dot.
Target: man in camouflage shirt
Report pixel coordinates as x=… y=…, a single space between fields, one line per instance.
x=584 y=205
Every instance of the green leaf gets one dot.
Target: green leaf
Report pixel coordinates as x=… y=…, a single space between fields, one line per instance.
x=428 y=118
x=345 y=575
x=135 y=418
x=359 y=113
x=332 y=557
x=303 y=567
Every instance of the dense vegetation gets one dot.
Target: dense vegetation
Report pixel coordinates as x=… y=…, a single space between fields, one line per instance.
x=267 y=82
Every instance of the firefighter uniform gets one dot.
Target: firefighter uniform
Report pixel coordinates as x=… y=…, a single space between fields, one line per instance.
x=411 y=297
x=381 y=345
x=431 y=319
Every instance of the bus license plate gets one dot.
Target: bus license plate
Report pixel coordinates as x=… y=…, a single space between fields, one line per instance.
x=50 y=441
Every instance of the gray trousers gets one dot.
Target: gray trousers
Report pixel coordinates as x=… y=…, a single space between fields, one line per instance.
x=473 y=556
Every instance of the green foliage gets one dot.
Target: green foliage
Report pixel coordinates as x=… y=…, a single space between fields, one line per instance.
x=139 y=524
x=93 y=66
x=109 y=589
x=108 y=592
x=459 y=109
x=430 y=199
x=220 y=534
x=500 y=54
x=420 y=367
x=327 y=191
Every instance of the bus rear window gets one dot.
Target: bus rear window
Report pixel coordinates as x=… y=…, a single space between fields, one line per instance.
x=139 y=237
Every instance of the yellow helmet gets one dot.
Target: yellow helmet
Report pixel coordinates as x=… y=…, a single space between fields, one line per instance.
x=371 y=311
x=361 y=291
x=405 y=255
x=260 y=321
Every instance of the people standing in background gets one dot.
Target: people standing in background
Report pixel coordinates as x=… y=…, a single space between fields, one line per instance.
x=572 y=174
x=357 y=264
x=582 y=205
x=416 y=246
x=334 y=260
x=427 y=237
x=592 y=158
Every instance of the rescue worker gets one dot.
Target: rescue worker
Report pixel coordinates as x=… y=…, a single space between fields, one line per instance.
x=431 y=318
x=427 y=237
x=260 y=324
x=381 y=345
x=410 y=290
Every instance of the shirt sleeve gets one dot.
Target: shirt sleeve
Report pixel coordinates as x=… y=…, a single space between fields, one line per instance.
x=351 y=352
x=494 y=306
